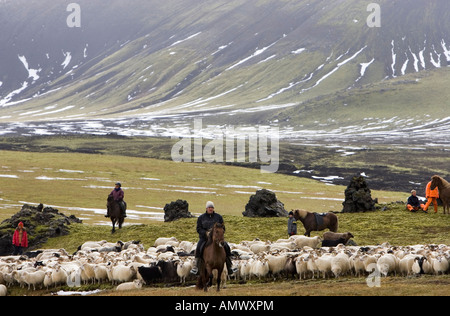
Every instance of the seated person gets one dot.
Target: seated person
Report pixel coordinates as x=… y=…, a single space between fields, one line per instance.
x=414 y=204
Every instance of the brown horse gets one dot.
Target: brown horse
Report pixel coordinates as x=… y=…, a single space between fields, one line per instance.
x=214 y=257
x=316 y=222
x=115 y=213
x=444 y=191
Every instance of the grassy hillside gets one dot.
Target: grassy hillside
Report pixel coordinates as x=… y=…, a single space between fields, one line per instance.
x=79 y=184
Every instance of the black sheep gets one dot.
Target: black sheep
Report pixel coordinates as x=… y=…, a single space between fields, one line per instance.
x=150 y=274
x=169 y=270
x=333 y=243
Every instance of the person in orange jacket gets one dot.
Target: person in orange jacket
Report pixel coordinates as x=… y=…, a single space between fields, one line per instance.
x=432 y=196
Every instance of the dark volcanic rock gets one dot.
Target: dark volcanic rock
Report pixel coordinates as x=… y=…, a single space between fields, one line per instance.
x=176 y=210
x=358 y=197
x=264 y=204
x=40 y=223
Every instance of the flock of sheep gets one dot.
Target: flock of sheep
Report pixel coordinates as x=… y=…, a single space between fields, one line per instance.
x=129 y=265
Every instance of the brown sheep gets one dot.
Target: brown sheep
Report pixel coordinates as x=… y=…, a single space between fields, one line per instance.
x=341 y=237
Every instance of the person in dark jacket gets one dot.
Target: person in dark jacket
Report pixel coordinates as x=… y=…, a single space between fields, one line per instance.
x=20 y=239
x=292 y=224
x=204 y=223
x=414 y=204
x=118 y=195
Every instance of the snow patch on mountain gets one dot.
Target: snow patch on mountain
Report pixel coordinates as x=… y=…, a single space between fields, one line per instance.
x=32 y=73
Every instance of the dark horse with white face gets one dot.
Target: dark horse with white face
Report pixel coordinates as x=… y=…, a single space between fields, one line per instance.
x=214 y=257
x=115 y=213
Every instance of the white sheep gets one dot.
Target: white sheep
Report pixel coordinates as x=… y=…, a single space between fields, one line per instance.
x=386 y=264
x=59 y=275
x=136 y=284
x=92 y=244
x=427 y=266
x=260 y=268
x=48 y=279
x=276 y=263
x=406 y=263
x=3 y=290
x=34 y=278
x=186 y=246
x=121 y=274
x=323 y=264
x=259 y=247
x=301 y=266
x=165 y=241
x=340 y=264
x=183 y=270
x=101 y=273
x=357 y=264
x=311 y=264
x=287 y=246
x=368 y=261
x=87 y=273
x=440 y=264
x=244 y=268
x=304 y=241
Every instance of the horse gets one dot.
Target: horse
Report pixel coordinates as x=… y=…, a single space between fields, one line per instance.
x=115 y=213
x=444 y=191
x=316 y=222
x=214 y=257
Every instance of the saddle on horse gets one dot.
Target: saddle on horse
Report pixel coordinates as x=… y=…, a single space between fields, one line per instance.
x=319 y=218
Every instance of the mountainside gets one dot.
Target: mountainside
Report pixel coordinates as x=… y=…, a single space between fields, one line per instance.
x=310 y=67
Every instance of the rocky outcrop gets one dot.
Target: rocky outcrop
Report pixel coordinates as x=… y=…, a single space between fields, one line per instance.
x=264 y=204
x=358 y=197
x=176 y=210
x=40 y=223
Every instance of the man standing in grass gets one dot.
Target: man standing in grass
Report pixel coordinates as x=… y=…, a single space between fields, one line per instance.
x=432 y=196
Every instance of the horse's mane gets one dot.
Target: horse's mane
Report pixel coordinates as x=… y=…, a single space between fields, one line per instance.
x=301 y=213
x=444 y=182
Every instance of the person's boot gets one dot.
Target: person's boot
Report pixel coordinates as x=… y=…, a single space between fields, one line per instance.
x=195 y=266
x=230 y=269
x=107 y=213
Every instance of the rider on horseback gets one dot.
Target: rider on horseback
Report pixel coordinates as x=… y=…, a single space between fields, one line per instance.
x=204 y=223
x=118 y=195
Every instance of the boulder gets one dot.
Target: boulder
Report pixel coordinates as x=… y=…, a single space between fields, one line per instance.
x=176 y=210
x=358 y=197
x=264 y=204
x=40 y=223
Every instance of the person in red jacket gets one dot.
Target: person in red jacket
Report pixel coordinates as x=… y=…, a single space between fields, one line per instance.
x=20 y=239
x=432 y=196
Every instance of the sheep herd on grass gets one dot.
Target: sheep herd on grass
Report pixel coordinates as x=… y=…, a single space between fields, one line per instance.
x=129 y=266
